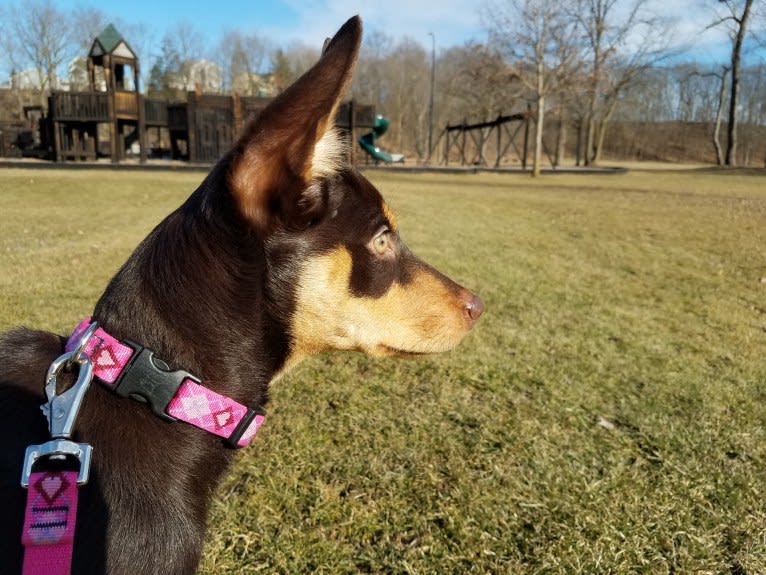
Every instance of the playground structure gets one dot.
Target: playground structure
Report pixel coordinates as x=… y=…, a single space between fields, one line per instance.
x=367 y=142
x=113 y=100
x=475 y=144
x=114 y=120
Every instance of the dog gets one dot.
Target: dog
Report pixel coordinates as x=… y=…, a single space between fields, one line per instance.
x=283 y=252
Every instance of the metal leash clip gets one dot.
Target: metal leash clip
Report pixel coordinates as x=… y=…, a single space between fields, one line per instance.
x=61 y=411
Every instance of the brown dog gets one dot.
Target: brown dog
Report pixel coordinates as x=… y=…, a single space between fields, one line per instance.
x=281 y=253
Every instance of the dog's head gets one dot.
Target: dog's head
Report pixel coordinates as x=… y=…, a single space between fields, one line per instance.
x=336 y=265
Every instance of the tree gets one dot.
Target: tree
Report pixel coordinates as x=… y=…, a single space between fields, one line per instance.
x=395 y=77
x=407 y=75
x=287 y=65
x=690 y=93
x=477 y=82
x=621 y=46
x=38 y=36
x=7 y=48
x=242 y=57
x=89 y=22
x=736 y=20
x=719 y=113
x=538 y=39
x=369 y=83
x=182 y=46
x=281 y=70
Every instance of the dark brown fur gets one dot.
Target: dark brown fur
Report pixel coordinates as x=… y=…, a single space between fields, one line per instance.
x=219 y=289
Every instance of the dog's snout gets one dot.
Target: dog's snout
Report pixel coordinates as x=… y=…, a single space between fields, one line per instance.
x=474 y=306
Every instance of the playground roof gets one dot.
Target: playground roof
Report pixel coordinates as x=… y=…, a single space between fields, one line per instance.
x=110 y=41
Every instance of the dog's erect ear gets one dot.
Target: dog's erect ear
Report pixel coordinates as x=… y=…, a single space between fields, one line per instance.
x=293 y=141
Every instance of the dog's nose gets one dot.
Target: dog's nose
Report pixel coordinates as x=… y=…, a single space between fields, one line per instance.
x=474 y=307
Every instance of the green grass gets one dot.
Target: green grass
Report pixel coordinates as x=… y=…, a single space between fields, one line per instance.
x=606 y=415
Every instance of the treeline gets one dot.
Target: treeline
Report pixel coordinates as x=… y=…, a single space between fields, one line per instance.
x=577 y=65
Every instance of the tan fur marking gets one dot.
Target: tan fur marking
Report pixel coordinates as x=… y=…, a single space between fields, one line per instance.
x=425 y=316
x=390 y=216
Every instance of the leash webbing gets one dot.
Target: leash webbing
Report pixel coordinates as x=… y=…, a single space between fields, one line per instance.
x=50 y=515
x=49 y=523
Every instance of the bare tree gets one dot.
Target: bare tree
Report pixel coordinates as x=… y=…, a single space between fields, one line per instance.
x=736 y=20
x=8 y=59
x=242 y=57
x=38 y=36
x=719 y=113
x=287 y=65
x=182 y=46
x=88 y=22
x=369 y=81
x=394 y=75
x=689 y=94
x=537 y=37
x=621 y=45
x=477 y=83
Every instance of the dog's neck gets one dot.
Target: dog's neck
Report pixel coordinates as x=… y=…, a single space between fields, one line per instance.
x=194 y=291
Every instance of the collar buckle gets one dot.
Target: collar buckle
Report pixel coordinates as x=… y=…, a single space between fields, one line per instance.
x=150 y=380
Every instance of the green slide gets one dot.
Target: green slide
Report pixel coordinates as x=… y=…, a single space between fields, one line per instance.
x=367 y=141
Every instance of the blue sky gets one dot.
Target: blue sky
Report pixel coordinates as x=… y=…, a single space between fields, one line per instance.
x=310 y=21
x=284 y=22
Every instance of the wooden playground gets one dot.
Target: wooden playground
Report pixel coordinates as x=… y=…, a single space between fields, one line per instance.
x=114 y=120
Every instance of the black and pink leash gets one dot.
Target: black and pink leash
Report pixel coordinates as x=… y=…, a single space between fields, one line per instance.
x=129 y=370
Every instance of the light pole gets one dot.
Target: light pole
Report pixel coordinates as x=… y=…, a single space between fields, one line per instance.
x=431 y=101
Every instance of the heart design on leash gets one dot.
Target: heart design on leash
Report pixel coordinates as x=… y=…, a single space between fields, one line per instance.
x=51 y=486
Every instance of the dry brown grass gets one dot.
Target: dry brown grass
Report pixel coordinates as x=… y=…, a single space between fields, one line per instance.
x=606 y=416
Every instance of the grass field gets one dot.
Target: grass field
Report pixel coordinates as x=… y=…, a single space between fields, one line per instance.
x=606 y=415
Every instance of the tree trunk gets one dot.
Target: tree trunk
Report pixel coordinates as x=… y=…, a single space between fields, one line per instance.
x=731 y=129
x=736 y=53
x=590 y=139
x=601 y=130
x=538 y=135
x=561 y=141
x=595 y=83
x=718 y=114
x=600 y=133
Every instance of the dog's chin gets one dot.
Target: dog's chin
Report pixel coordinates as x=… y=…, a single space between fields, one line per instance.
x=384 y=350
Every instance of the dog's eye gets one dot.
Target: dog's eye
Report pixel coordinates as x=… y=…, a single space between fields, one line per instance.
x=382 y=242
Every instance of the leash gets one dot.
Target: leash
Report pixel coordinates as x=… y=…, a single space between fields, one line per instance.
x=129 y=370
x=51 y=510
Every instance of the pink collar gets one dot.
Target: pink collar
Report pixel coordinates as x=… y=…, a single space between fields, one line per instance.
x=131 y=370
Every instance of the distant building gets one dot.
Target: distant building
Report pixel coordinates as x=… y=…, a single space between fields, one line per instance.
x=77 y=76
x=253 y=84
x=30 y=79
x=200 y=73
